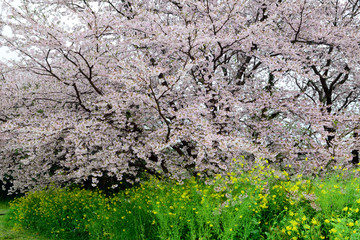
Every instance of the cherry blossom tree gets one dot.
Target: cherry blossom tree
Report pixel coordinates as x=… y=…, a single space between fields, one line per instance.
x=326 y=72
x=104 y=91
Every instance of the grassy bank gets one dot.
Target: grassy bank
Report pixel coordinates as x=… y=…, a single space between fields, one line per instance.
x=261 y=203
x=6 y=231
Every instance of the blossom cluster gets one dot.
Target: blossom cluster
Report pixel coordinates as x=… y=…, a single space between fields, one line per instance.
x=175 y=88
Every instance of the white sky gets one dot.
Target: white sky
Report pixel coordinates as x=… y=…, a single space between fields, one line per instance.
x=5 y=54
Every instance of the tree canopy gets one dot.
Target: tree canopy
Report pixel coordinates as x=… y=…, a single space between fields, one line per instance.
x=108 y=89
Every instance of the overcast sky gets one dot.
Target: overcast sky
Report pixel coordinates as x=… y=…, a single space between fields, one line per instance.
x=4 y=51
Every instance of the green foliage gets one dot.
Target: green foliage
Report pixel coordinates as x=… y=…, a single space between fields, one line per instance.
x=5 y=229
x=260 y=203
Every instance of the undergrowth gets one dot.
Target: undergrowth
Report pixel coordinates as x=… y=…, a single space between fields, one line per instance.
x=260 y=203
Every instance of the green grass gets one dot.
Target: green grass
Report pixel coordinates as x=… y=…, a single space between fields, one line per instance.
x=6 y=231
x=261 y=203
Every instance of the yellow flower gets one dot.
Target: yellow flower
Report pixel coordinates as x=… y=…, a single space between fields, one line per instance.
x=294 y=223
x=350 y=224
x=314 y=221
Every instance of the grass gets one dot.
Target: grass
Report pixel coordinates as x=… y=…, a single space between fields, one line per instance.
x=6 y=231
x=261 y=203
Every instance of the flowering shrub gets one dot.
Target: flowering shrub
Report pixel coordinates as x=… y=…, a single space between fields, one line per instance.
x=254 y=203
x=104 y=90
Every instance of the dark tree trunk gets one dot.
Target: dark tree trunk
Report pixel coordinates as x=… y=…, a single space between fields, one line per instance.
x=355 y=152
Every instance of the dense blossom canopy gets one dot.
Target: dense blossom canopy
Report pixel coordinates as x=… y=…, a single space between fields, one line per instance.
x=108 y=89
